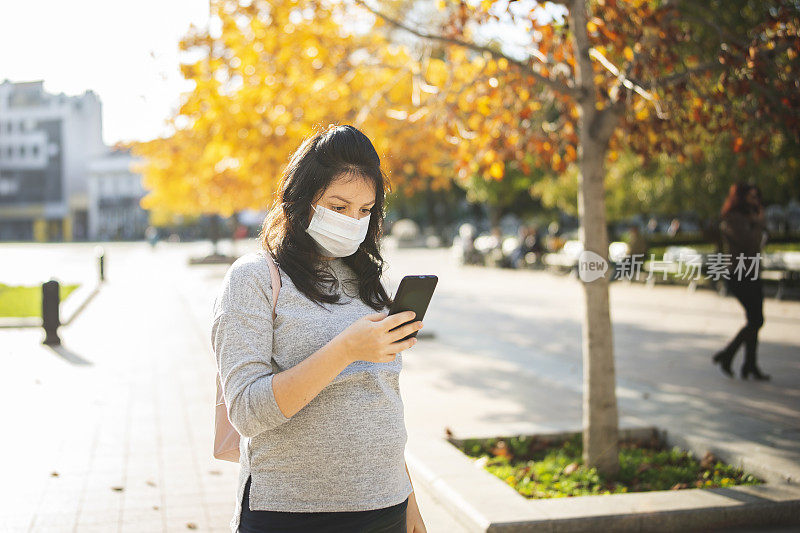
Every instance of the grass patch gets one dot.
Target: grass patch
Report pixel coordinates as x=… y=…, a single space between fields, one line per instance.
x=782 y=247
x=26 y=301
x=539 y=468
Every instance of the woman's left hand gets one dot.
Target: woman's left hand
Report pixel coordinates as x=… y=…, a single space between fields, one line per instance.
x=414 y=523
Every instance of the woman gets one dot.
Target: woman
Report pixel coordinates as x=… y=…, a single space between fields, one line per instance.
x=742 y=228
x=314 y=392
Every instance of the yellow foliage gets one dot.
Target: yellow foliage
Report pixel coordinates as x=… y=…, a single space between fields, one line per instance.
x=628 y=52
x=298 y=74
x=437 y=72
x=484 y=105
x=497 y=170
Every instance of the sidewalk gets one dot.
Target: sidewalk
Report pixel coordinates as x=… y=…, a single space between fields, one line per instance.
x=122 y=411
x=506 y=359
x=116 y=426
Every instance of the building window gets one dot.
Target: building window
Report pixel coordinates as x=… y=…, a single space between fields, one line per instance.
x=35 y=150
x=22 y=151
x=8 y=186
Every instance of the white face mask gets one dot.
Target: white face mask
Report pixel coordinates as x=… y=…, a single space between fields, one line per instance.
x=337 y=235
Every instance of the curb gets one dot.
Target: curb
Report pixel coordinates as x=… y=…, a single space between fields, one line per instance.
x=73 y=307
x=20 y=322
x=484 y=503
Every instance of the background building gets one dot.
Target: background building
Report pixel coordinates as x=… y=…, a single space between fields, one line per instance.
x=46 y=143
x=114 y=194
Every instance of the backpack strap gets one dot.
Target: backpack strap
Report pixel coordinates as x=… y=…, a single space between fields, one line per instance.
x=276 y=280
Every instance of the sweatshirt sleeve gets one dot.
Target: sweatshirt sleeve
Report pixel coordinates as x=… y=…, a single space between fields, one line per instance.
x=241 y=337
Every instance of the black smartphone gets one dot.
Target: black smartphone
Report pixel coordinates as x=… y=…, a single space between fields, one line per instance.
x=413 y=294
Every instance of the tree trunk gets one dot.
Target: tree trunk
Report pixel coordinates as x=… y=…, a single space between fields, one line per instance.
x=495 y=214
x=600 y=419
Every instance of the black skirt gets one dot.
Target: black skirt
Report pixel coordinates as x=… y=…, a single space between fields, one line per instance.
x=386 y=520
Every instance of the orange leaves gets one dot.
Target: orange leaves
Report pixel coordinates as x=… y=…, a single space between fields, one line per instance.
x=556 y=163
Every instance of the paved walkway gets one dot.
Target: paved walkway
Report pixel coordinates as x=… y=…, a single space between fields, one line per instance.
x=117 y=423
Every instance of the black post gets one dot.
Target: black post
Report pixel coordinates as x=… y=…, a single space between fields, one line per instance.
x=51 y=299
x=100 y=252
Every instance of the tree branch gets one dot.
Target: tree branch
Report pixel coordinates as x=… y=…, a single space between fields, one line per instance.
x=563 y=88
x=627 y=82
x=580 y=48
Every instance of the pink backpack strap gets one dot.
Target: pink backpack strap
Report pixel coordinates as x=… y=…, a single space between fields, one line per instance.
x=276 y=280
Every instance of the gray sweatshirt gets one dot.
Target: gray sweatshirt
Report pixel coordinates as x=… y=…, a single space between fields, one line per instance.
x=343 y=451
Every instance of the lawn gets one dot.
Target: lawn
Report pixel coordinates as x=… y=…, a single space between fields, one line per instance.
x=22 y=301
x=539 y=469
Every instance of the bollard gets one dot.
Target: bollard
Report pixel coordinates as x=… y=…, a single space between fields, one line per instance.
x=99 y=251
x=51 y=298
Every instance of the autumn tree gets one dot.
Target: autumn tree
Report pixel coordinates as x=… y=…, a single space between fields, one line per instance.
x=595 y=78
x=266 y=75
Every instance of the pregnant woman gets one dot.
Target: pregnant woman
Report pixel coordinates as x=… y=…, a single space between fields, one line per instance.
x=314 y=392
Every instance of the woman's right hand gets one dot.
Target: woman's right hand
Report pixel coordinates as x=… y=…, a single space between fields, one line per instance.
x=369 y=338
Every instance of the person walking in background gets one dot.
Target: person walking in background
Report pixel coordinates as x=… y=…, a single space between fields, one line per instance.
x=528 y=244
x=742 y=227
x=637 y=245
x=314 y=389
x=151 y=234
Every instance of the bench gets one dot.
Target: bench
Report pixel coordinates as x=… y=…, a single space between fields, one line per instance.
x=783 y=267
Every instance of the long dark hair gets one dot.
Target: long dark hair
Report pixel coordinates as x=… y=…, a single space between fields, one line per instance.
x=337 y=151
x=737 y=198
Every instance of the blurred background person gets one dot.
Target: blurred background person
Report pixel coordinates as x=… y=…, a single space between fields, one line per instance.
x=742 y=227
x=151 y=234
x=529 y=243
x=637 y=245
x=674 y=227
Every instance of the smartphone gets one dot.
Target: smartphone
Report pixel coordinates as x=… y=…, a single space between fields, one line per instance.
x=413 y=294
